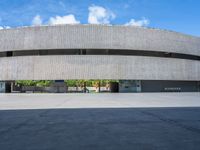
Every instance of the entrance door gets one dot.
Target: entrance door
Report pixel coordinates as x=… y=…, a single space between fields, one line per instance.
x=129 y=86
x=2 y=87
x=8 y=87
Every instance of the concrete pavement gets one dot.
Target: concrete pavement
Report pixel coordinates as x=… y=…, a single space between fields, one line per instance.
x=100 y=121
x=118 y=100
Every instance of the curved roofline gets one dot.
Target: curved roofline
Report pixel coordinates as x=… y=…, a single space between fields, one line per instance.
x=107 y=25
x=98 y=37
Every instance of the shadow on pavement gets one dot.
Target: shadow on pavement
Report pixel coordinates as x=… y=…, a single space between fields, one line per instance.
x=100 y=128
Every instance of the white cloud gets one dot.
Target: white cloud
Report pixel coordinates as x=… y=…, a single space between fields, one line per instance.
x=7 y=27
x=138 y=23
x=69 y=19
x=37 y=20
x=4 y=27
x=99 y=15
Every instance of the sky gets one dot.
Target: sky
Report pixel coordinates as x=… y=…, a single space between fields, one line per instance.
x=176 y=15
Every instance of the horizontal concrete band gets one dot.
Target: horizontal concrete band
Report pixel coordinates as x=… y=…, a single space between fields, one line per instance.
x=97 y=37
x=98 y=67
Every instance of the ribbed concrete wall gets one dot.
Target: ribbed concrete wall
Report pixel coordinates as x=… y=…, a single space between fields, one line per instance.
x=98 y=67
x=97 y=37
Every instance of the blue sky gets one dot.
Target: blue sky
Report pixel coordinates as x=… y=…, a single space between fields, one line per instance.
x=177 y=15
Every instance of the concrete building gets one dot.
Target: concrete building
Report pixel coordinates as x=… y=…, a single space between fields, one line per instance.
x=142 y=59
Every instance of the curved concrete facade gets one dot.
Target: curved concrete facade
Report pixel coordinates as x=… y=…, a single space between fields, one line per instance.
x=68 y=37
x=98 y=67
x=97 y=37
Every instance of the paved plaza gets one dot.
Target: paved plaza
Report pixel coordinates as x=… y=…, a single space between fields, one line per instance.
x=103 y=100
x=163 y=121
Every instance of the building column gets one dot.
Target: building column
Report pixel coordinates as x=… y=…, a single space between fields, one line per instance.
x=99 y=86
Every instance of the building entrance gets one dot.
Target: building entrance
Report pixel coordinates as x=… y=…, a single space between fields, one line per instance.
x=129 y=86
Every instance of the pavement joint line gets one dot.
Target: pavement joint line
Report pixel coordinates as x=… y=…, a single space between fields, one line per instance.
x=172 y=122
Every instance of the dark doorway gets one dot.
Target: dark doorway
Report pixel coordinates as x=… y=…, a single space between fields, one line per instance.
x=8 y=87
x=114 y=87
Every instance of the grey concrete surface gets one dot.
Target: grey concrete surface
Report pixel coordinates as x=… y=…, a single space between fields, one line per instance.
x=100 y=121
x=98 y=67
x=103 y=100
x=101 y=37
x=97 y=37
